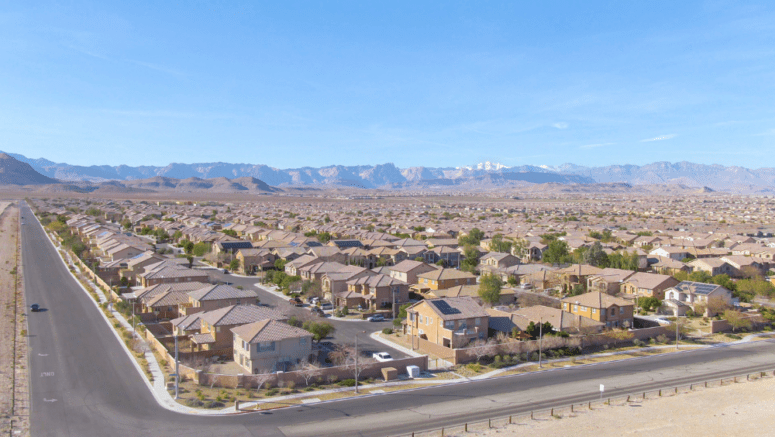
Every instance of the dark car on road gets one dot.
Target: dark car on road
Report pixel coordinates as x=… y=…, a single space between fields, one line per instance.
x=34 y=308
x=317 y=311
x=376 y=318
x=296 y=302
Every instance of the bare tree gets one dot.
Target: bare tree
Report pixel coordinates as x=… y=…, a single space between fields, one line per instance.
x=481 y=348
x=261 y=378
x=356 y=364
x=307 y=370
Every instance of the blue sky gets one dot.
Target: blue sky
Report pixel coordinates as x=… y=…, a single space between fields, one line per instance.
x=292 y=84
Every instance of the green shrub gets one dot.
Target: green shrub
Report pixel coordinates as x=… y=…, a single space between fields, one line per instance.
x=272 y=392
x=474 y=367
x=347 y=382
x=387 y=331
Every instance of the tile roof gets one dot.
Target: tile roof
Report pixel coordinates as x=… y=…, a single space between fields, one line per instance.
x=268 y=330
x=218 y=292
x=240 y=314
x=453 y=308
x=593 y=299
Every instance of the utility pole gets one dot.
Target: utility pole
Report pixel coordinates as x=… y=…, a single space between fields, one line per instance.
x=540 y=340
x=676 y=332
x=177 y=368
x=356 y=363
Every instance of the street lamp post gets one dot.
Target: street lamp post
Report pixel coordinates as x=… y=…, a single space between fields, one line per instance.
x=540 y=340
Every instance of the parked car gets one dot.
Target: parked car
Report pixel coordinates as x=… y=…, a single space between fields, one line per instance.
x=382 y=357
x=34 y=308
x=296 y=302
x=526 y=286
x=317 y=311
x=326 y=306
x=376 y=318
x=313 y=300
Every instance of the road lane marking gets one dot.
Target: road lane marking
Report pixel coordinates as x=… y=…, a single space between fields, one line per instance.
x=46 y=374
x=42 y=355
x=49 y=400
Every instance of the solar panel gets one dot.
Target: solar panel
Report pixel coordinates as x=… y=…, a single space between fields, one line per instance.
x=444 y=307
x=696 y=287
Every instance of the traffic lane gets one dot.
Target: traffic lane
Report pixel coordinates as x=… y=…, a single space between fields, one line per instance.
x=82 y=381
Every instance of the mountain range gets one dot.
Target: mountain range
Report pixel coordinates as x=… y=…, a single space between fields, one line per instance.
x=218 y=175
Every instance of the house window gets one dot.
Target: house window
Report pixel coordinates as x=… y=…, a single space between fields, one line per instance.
x=565 y=306
x=478 y=321
x=583 y=308
x=594 y=310
x=303 y=341
x=613 y=311
x=449 y=324
x=429 y=320
x=575 y=308
x=621 y=310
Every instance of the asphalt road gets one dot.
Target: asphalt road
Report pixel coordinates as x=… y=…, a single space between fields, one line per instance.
x=83 y=384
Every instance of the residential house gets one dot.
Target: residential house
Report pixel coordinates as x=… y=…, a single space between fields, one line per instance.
x=714 y=266
x=648 y=285
x=215 y=332
x=448 y=322
x=377 y=292
x=613 y=311
x=270 y=346
x=445 y=278
x=505 y=320
x=608 y=280
x=212 y=297
x=408 y=270
x=688 y=293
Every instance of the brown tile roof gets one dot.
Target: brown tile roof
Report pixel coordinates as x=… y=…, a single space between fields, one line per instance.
x=594 y=299
x=268 y=330
x=240 y=315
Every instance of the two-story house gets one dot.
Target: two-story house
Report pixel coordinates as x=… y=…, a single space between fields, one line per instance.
x=445 y=278
x=408 y=270
x=448 y=322
x=213 y=297
x=648 y=285
x=270 y=346
x=613 y=311
x=691 y=293
x=215 y=332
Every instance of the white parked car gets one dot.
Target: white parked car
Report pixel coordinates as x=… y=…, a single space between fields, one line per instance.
x=382 y=357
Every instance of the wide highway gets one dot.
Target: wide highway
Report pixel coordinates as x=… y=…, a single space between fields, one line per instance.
x=83 y=383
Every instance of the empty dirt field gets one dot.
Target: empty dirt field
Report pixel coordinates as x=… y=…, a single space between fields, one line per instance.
x=743 y=408
x=13 y=379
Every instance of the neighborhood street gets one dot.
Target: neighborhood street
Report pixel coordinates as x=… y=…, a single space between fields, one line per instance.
x=83 y=383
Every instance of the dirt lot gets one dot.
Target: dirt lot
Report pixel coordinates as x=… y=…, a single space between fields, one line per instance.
x=734 y=409
x=11 y=323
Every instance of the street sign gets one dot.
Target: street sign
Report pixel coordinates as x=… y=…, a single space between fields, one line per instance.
x=602 y=388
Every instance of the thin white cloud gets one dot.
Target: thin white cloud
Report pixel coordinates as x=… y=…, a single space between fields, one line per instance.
x=660 y=138
x=561 y=125
x=594 y=146
x=156 y=67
